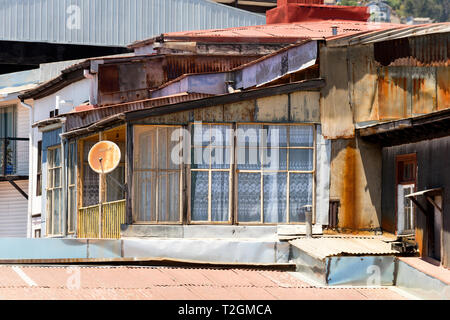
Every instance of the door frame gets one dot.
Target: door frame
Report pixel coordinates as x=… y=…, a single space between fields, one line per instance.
x=409 y=157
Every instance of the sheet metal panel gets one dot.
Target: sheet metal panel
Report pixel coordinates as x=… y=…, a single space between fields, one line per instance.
x=113 y=22
x=362 y=271
x=433 y=172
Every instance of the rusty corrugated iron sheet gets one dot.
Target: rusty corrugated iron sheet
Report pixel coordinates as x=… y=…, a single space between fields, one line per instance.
x=426 y=50
x=167 y=283
x=330 y=246
x=275 y=33
x=126 y=81
x=81 y=119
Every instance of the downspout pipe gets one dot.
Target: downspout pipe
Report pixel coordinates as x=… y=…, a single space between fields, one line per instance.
x=30 y=170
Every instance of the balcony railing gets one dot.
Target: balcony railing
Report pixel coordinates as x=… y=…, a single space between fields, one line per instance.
x=101 y=221
x=14 y=157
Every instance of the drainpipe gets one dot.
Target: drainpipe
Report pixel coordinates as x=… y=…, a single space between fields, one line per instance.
x=308 y=220
x=30 y=170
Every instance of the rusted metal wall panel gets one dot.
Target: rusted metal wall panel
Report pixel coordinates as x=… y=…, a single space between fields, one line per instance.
x=130 y=81
x=305 y=106
x=392 y=95
x=425 y=50
x=433 y=171
x=335 y=113
x=363 y=83
x=356 y=182
x=275 y=108
x=443 y=87
x=81 y=119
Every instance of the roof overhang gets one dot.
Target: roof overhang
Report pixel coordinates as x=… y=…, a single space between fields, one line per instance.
x=424 y=127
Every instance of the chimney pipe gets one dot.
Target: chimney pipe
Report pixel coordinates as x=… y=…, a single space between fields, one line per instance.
x=334 y=30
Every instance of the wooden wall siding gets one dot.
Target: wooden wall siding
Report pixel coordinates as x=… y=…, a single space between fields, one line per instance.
x=433 y=172
x=294 y=107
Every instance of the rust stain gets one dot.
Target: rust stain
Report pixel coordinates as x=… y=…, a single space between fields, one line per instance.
x=347 y=216
x=443 y=88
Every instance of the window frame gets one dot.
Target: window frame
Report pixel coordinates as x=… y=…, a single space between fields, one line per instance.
x=72 y=159
x=51 y=188
x=156 y=171
x=288 y=172
x=39 y=169
x=210 y=170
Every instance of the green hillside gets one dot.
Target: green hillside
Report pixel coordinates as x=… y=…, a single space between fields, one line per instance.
x=438 y=10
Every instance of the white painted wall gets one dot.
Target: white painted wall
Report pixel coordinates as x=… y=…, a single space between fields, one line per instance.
x=74 y=94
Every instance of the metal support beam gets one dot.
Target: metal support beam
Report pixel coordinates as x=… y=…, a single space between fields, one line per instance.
x=18 y=188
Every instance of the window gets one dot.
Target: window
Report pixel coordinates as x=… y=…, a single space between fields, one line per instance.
x=37 y=233
x=7 y=130
x=39 y=170
x=54 y=191
x=211 y=172
x=90 y=177
x=275 y=169
x=157 y=179
x=71 y=187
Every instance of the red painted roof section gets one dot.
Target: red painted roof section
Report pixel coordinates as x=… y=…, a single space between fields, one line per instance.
x=167 y=283
x=314 y=12
x=280 y=33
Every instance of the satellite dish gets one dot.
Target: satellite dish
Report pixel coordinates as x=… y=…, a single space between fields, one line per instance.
x=104 y=157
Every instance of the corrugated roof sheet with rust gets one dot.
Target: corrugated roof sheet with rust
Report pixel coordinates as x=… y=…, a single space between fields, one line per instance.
x=329 y=246
x=275 y=33
x=167 y=283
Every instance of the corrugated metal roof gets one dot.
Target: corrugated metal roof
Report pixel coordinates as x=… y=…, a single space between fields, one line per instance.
x=276 y=33
x=113 y=22
x=386 y=34
x=340 y=246
x=167 y=283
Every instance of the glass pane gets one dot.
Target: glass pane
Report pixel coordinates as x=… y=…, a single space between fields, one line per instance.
x=220 y=158
x=248 y=135
x=300 y=194
x=144 y=149
x=249 y=197
x=162 y=196
x=144 y=196
x=276 y=136
x=72 y=157
x=174 y=132
x=49 y=211
x=200 y=158
x=219 y=195
x=201 y=135
x=199 y=196
x=162 y=149
x=57 y=173
x=174 y=197
x=275 y=159
x=90 y=187
x=50 y=178
x=114 y=184
x=248 y=159
x=275 y=197
x=72 y=208
x=301 y=136
x=57 y=157
x=56 y=211
x=301 y=159
x=220 y=135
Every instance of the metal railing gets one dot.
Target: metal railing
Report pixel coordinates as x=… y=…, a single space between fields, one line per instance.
x=101 y=221
x=14 y=156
